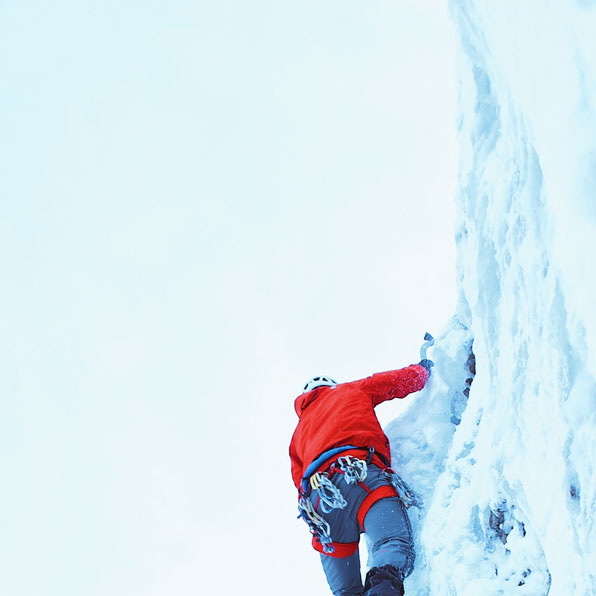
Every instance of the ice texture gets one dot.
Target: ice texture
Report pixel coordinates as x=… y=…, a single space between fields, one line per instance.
x=506 y=466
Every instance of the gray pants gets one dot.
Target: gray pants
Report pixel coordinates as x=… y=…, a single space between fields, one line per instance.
x=387 y=526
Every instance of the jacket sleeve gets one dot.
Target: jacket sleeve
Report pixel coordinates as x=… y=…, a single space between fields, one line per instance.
x=394 y=383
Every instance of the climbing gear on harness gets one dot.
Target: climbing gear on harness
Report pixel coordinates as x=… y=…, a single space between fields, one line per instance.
x=318 y=495
x=328 y=455
x=319 y=461
x=406 y=494
x=318 y=382
x=330 y=496
x=354 y=470
x=316 y=524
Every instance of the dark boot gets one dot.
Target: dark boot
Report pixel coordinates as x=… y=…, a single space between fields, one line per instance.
x=383 y=581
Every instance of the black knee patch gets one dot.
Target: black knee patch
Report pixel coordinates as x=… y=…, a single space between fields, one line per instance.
x=384 y=581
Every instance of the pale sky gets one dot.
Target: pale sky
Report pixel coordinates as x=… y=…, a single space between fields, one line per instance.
x=204 y=204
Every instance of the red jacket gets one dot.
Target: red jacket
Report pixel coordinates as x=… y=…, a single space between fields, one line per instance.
x=344 y=415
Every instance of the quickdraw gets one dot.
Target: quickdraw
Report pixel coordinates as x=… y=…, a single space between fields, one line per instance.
x=316 y=524
x=408 y=497
x=330 y=496
x=354 y=470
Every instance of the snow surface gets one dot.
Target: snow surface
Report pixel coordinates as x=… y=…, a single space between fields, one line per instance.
x=507 y=475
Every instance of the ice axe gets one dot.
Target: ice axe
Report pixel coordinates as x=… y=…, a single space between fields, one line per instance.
x=429 y=341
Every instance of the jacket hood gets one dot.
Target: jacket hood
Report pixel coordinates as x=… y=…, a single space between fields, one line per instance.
x=304 y=400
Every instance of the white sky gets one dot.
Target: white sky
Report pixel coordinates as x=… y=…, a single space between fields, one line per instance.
x=204 y=204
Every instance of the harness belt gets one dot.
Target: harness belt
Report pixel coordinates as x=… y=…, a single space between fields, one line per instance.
x=383 y=492
x=328 y=459
x=340 y=549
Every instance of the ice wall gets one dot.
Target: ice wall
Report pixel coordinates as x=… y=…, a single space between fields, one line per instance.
x=511 y=507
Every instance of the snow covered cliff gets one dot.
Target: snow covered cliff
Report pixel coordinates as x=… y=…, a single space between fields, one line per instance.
x=507 y=474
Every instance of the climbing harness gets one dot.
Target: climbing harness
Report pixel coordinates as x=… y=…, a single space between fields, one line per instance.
x=329 y=497
x=316 y=487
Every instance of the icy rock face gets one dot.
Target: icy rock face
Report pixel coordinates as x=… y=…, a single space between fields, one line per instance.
x=510 y=491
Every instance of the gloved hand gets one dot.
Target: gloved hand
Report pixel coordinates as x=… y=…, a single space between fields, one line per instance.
x=426 y=363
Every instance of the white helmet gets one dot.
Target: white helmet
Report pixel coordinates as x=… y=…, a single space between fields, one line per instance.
x=318 y=382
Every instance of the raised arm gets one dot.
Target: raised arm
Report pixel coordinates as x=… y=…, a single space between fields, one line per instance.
x=395 y=383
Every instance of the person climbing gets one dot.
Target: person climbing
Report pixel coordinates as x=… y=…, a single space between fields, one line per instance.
x=341 y=466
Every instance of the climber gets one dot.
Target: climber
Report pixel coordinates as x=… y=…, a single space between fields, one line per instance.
x=341 y=466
